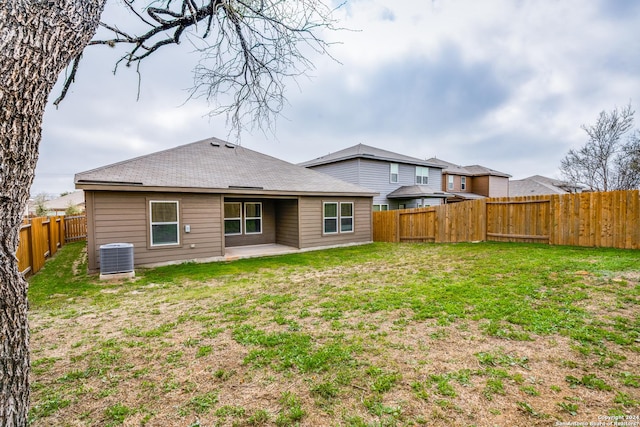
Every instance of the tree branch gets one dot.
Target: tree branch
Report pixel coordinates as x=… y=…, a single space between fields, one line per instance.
x=256 y=46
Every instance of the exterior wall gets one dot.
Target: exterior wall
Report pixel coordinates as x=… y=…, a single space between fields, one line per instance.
x=375 y=175
x=498 y=186
x=287 y=229
x=268 y=234
x=119 y=217
x=347 y=170
x=457 y=184
x=311 y=222
x=481 y=185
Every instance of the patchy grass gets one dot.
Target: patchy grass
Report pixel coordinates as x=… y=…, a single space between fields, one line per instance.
x=409 y=334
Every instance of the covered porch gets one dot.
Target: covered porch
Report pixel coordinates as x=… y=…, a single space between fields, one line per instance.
x=254 y=251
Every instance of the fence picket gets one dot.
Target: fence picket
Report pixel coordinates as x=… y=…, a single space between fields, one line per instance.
x=40 y=238
x=604 y=219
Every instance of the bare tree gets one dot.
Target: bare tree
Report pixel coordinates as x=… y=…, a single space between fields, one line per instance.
x=40 y=204
x=249 y=48
x=629 y=163
x=606 y=162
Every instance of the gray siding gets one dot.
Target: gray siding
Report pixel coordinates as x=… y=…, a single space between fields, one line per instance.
x=347 y=171
x=117 y=217
x=287 y=229
x=311 y=221
x=375 y=175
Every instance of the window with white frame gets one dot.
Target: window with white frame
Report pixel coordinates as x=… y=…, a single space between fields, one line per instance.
x=463 y=182
x=330 y=218
x=253 y=218
x=422 y=175
x=346 y=217
x=382 y=207
x=393 y=173
x=164 y=223
x=335 y=213
x=232 y=218
x=450 y=182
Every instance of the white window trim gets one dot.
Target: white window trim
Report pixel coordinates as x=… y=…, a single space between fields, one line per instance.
x=252 y=217
x=338 y=218
x=422 y=176
x=352 y=217
x=463 y=182
x=450 y=182
x=151 y=223
x=325 y=218
x=380 y=207
x=392 y=167
x=233 y=219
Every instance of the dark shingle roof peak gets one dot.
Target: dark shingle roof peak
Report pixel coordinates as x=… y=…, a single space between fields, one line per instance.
x=369 y=152
x=214 y=164
x=471 y=170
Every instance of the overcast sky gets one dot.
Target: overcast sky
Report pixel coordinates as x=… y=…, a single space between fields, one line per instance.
x=501 y=83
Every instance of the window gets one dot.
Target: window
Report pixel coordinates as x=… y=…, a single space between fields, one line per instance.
x=335 y=213
x=450 y=182
x=378 y=208
x=164 y=223
x=330 y=218
x=253 y=218
x=346 y=217
x=463 y=182
x=422 y=175
x=393 y=173
x=232 y=218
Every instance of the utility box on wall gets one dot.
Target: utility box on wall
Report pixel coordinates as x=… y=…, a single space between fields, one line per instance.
x=116 y=260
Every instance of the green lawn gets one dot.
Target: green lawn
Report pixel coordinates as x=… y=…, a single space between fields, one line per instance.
x=378 y=335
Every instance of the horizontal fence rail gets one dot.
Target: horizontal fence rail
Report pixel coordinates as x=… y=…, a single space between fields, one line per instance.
x=40 y=238
x=599 y=219
x=75 y=228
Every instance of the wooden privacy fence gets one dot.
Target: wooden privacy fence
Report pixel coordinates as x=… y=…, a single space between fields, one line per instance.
x=75 y=228
x=41 y=237
x=604 y=219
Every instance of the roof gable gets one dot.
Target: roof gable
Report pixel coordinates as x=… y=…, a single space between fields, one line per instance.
x=538 y=185
x=363 y=151
x=214 y=164
x=471 y=170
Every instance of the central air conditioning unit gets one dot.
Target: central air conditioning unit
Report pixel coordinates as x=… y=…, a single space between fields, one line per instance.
x=116 y=258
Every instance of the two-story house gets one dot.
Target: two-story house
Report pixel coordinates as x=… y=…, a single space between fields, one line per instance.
x=472 y=182
x=401 y=181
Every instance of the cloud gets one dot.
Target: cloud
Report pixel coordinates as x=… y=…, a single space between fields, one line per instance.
x=501 y=83
x=417 y=95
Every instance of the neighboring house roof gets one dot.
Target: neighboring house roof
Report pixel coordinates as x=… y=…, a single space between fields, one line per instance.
x=75 y=198
x=367 y=152
x=417 y=192
x=214 y=165
x=539 y=185
x=471 y=170
x=59 y=204
x=467 y=196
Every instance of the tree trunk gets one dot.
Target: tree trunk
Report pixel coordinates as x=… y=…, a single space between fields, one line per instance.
x=38 y=39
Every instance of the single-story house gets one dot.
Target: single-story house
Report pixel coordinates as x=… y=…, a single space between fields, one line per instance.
x=537 y=185
x=194 y=201
x=62 y=205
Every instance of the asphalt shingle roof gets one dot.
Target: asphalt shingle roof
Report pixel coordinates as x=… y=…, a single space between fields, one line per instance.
x=471 y=170
x=368 y=152
x=539 y=185
x=417 y=191
x=216 y=164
